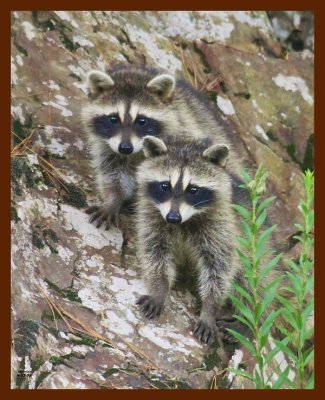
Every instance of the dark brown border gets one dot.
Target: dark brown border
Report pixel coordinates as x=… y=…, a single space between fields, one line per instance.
x=316 y=6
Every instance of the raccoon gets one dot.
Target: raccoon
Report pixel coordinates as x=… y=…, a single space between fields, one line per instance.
x=126 y=104
x=184 y=217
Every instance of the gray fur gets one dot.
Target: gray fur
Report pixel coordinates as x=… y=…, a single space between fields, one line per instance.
x=139 y=90
x=204 y=242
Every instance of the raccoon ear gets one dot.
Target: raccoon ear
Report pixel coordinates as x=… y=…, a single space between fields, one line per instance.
x=153 y=147
x=98 y=81
x=162 y=85
x=218 y=154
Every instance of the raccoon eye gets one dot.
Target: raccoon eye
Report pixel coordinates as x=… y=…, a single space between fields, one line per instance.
x=113 y=119
x=142 y=121
x=193 y=189
x=164 y=186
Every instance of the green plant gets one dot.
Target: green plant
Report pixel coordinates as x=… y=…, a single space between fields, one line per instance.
x=256 y=297
x=299 y=310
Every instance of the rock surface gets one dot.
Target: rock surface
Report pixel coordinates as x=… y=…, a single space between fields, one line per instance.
x=74 y=319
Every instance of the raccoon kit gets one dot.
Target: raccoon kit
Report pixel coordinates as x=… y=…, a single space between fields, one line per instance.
x=184 y=216
x=126 y=104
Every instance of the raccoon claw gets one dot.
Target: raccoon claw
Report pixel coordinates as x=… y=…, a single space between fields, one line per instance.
x=149 y=306
x=102 y=215
x=205 y=332
x=224 y=324
x=91 y=209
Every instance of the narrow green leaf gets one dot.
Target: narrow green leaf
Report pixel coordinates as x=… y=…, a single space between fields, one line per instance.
x=243 y=242
x=271 y=264
x=300 y=227
x=263 y=340
x=308 y=334
x=309 y=358
x=242 y=211
x=293 y=319
x=310 y=384
x=264 y=204
x=267 y=324
x=268 y=299
x=309 y=285
x=308 y=311
x=261 y=219
x=258 y=380
x=265 y=234
x=282 y=378
x=310 y=221
x=275 y=282
x=269 y=356
x=292 y=265
x=249 y=346
x=244 y=321
x=247 y=231
x=286 y=350
x=241 y=372
x=244 y=259
x=289 y=306
x=295 y=281
x=245 y=176
x=243 y=309
x=243 y=292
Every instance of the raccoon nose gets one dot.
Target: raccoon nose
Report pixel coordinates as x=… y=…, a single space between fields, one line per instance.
x=125 y=148
x=173 y=217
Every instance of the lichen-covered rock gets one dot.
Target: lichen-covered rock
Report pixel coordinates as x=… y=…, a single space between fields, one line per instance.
x=75 y=323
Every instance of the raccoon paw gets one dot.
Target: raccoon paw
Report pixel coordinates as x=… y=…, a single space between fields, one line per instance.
x=205 y=332
x=224 y=324
x=150 y=306
x=100 y=215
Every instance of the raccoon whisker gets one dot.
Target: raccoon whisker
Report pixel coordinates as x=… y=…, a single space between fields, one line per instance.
x=202 y=202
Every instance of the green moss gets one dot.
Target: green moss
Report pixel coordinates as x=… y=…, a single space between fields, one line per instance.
x=21 y=168
x=206 y=66
x=14 y=215
x=52 y=316
x=71 y=294
x=212 y=96
x=49 y=234
x=74 y=196
x=36 y=364
x=20 y=48
x=111 y=371
x=37 y=241
x=270 y=135
x=291 y=149
x=25 y=337
x=308 y=162
x=18 y=166
x=45 y=25
x=84 y=339
x=57 y=360
x=20 y=378
x=41 y=378
x=67 y=43
x=21 y=130
x=68 y=293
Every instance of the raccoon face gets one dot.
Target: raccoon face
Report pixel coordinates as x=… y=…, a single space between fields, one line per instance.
x=181 y=190
x=120 y=114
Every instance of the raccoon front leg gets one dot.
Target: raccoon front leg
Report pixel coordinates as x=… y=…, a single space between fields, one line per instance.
x=115 y=189
x=158 y=273
x=214 y=282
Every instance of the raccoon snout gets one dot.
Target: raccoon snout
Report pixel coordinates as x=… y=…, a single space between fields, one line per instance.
x=174 y=217
x=125 y=148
